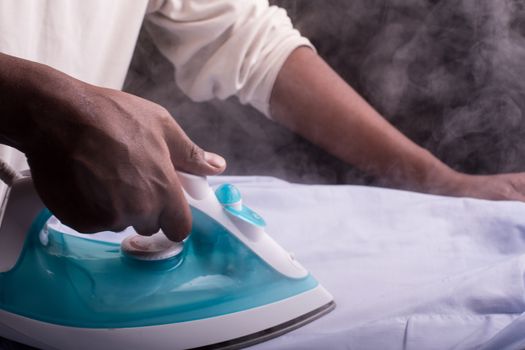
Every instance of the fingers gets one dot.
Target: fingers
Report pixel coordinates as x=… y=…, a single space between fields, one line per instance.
x=189 y=157
x=149 y=227
x=175 y=219
x=171 y=214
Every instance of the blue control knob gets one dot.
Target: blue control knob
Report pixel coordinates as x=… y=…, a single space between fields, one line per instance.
x=227 y=194
x=230 y=198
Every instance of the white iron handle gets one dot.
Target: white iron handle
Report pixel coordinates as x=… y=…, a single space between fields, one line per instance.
x=195 y=186
x=19 y=210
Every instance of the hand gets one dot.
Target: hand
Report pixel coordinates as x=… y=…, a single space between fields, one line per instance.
x=493 y=187
x=102 y=159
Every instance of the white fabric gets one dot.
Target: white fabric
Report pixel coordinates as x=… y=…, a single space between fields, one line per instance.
x=219 y=48
x=408 y=271
x=225 y=48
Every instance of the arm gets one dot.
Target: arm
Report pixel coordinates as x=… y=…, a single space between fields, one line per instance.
x=238 y=48
x=311 y=99
x=100 y=159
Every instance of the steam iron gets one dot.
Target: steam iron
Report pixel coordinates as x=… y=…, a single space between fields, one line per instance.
x=228 y=285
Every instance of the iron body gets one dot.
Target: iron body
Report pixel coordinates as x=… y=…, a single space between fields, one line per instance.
x=228 y=285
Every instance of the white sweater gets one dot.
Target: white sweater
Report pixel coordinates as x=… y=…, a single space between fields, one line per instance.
x=219 y=48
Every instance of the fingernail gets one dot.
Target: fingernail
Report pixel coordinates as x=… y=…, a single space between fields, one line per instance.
x=214 y=160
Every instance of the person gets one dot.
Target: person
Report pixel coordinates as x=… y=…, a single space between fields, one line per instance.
x=102 y=159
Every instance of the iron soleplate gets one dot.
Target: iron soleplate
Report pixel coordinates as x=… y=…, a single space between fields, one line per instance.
x=272 y=332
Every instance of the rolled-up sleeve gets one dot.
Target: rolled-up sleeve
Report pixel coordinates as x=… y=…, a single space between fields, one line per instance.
x=223 y=48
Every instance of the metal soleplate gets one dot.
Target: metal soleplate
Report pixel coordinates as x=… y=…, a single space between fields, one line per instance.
x=273 y=332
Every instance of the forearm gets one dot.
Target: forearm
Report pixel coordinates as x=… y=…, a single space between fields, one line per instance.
x=312 y=100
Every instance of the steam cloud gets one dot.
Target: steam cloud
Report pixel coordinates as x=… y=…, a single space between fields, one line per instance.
x=449 y=73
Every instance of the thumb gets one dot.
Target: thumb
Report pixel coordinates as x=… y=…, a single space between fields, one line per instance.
x=192 y=159
x=188 y=157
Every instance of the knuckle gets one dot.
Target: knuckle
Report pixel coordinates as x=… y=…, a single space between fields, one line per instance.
x=163 y=112
x=164 y=115
x=195 y=153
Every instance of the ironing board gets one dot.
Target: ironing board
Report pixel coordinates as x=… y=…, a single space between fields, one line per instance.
x=407 y=270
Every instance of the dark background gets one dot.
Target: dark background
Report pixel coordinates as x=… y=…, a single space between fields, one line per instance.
x=447 y=73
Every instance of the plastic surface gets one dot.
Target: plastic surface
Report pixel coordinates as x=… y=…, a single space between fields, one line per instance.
x=230 y=197
x=258 y=323
x=228 y=194
x=86 y=283
x=196 y=187
x=247 y=215
x=21 y=206
x=253 y=236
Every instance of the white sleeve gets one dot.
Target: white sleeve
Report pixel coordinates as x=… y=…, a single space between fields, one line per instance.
x=224 y=47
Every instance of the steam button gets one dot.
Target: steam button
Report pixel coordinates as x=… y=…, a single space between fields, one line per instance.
x=229 y=195
x=230 y=198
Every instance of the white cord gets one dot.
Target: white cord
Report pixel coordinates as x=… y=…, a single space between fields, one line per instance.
x=7 y=173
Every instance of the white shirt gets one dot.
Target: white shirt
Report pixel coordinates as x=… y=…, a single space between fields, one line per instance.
x=219 y=48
